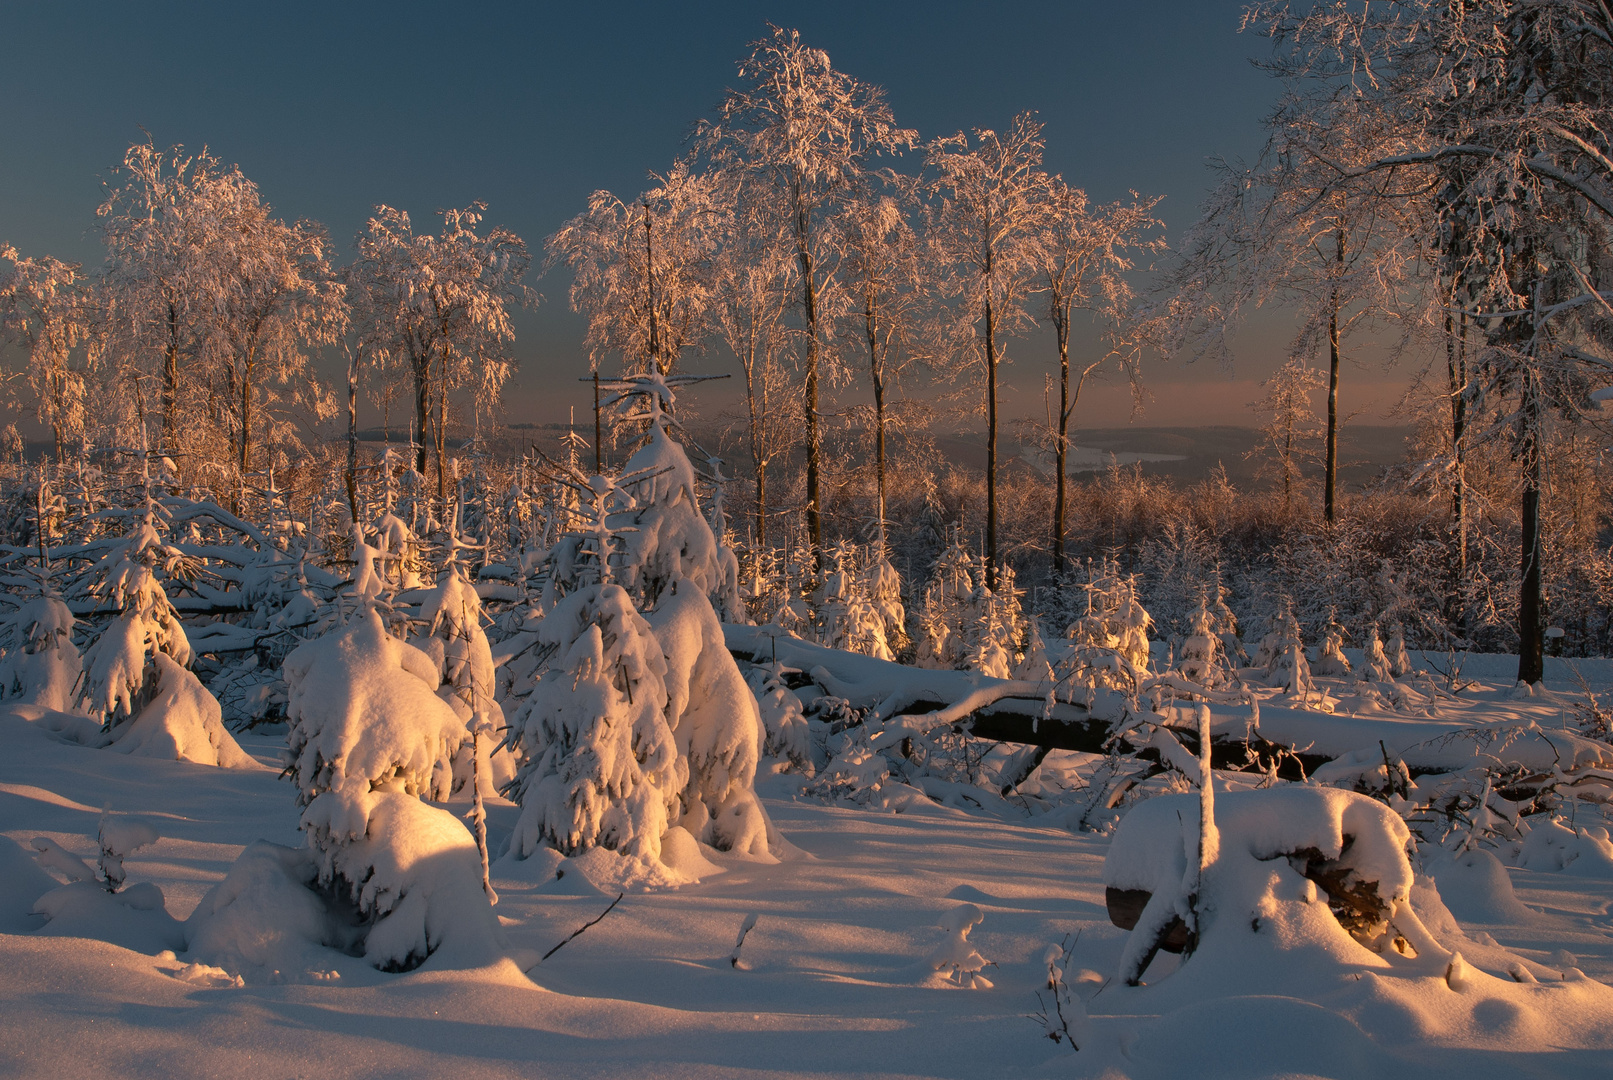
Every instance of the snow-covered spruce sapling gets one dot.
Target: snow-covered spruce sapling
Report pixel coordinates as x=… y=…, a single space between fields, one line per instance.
x=599 y=765
x=956 y=956
x=1330 y=659
x=120 y=837
x=647 y=562
x=120 y=667
x=40 y=665
x=454 y=638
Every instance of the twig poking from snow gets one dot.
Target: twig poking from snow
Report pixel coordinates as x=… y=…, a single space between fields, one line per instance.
x=478 y=814
x=739 y=942
x=583 y=927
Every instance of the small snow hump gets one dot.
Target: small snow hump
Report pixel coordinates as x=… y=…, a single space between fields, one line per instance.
x=956 y=956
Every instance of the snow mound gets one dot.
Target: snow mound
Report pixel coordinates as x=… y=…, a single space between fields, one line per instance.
x=264 y=921
x=181 y=722
x=135 y=918
x=1277 y=846
x=416 y=871
x=21 y=883
x=680 y=853
x=956 y=957
x=1476 y=889
x=1551 y=845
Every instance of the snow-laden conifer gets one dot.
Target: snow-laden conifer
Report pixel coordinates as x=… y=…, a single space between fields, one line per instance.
x=369 y=738
x=40 y=665
x=643 y=721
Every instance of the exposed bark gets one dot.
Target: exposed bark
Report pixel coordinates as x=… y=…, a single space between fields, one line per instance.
x=991 y=440
x=809 y=301
x=1331 y=478
x=1531 y=626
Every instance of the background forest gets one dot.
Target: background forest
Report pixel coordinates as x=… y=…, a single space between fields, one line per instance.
x=1436 y=186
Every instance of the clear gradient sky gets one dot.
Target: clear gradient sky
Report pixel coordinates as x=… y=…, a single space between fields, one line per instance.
x=335 y=106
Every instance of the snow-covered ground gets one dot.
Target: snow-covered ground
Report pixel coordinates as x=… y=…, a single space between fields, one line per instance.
x=836 y=978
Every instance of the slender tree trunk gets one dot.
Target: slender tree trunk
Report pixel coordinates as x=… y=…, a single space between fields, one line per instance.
x=439 y=431
x=352 y=433
x=422 y=408
x=809 y=302
x=876 y=376
x=1531 y=622
x=756 y=414
x=814 y=439
x=1061 y=440
x=991 y=444
x=1330 y=481
x=649 y=287
x=246 y=419
x=599 y=432
x=1288 y=469
x=1456 y=367
x=170 y=379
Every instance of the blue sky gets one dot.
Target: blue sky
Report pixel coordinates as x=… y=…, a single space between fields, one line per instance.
x=334 y=107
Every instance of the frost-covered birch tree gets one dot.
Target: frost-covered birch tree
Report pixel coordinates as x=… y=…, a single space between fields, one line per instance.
x=444 y=303
x=1289 y=433
x=158 y=281
x=274 y=297
x=883 y=276
x=806 y=132
x=641 y=270
x=753 y=277
x=45 y=306
x=1084 y=254
x=992 y=202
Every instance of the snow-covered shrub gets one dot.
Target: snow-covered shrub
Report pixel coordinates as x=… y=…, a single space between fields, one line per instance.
x=40 y=665
x=1399 y=662
x=956 y=957
x=1109 y=643
x=1374 y=661
x=1280 y=656
x=1203 y=658
x=857 y=606
x=783 y=716
x=120 y=837
x=368 y=737
x=179 y=721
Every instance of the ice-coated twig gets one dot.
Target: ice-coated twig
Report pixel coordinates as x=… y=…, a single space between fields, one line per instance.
x=739 y=942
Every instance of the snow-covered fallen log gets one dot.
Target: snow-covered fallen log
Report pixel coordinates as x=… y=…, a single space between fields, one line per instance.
x=903 y=701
